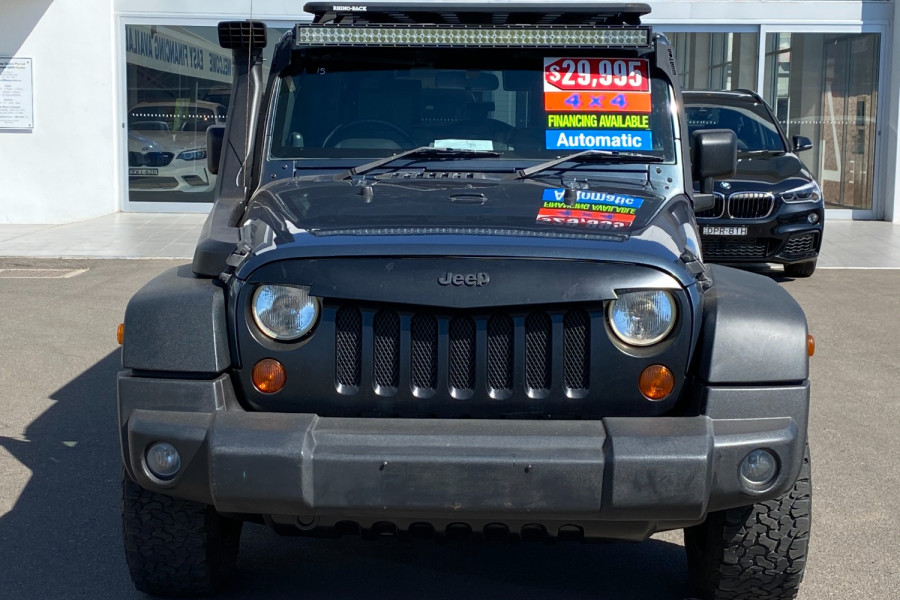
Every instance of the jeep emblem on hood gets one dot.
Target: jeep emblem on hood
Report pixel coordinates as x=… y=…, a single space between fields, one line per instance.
x=469 y=279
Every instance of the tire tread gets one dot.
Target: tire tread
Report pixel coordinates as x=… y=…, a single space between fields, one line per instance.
x=176 y=547
x=756 y=552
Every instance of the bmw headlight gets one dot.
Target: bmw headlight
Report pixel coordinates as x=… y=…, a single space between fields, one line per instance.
x=642 y=318
x=198 y=154
x=805 y=193
x=284 y=312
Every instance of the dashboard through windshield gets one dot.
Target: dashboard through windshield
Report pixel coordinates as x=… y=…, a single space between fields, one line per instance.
x=348 y=103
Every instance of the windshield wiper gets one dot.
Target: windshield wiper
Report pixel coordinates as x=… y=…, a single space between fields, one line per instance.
x=586 y=156
x=420 y=152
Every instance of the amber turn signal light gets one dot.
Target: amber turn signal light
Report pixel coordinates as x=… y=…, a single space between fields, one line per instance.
x=810 y=345
x=269 y=376
x=120 y=333
x=656 y=382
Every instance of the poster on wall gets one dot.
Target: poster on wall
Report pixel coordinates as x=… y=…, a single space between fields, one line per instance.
x=16 y=98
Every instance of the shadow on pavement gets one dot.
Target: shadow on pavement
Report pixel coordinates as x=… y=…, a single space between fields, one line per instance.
x=351 y=569
x=62 y=538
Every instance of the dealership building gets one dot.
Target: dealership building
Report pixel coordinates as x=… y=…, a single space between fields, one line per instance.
x=87 y=85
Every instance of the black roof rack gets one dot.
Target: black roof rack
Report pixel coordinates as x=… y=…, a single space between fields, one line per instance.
x=458 y=13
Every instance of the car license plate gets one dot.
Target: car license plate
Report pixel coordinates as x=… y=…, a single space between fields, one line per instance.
x=143 y=171
x=711 y=230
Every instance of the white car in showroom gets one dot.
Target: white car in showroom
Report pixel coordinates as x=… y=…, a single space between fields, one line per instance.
x=167 y=145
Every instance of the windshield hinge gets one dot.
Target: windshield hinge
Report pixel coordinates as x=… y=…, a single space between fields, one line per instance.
x=697 y=269
x=252 y=236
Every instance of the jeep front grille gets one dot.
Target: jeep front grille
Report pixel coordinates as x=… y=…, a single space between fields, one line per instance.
x=386 y=354
x=348 y=348
x=423 y=352
x=500 y=354
x=478 y=354
x=577 y=344
x=537 y=352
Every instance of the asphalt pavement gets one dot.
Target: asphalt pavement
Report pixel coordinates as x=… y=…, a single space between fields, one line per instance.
x=59 y=467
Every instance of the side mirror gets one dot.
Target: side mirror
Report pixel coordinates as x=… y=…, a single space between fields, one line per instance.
x=704 y=202
x=215 y=138
x=801 y=143
x=714 y=156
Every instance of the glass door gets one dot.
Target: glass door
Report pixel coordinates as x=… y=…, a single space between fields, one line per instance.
x=851 y=91
x=824 y=86
x=177 y=83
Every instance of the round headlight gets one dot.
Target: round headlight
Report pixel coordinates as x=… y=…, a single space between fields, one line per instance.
x=642 y=318
x=285 y=312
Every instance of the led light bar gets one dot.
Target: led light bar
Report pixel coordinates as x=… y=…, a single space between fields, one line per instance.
x=384 y=35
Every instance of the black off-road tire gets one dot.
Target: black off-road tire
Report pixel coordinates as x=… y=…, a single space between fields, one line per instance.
x=804 y=269
x=755 y=552
x=176 y=547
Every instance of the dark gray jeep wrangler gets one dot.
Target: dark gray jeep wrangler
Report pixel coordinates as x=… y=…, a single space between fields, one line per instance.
x=452 y=286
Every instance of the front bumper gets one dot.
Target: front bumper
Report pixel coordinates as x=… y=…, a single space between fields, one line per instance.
x=786 y=237
x=624 y=478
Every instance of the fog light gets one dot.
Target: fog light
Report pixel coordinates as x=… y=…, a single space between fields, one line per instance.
x=759 y=468
x=163 y=460
x=813 y=218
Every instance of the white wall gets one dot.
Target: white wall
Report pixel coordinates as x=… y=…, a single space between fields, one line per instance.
x=66 y=167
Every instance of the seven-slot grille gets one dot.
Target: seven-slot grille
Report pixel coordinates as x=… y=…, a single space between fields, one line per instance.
x=466 y=352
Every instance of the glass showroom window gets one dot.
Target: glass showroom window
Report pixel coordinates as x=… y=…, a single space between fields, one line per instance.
x=179 y=83
x=825 y=86
x=716 y=61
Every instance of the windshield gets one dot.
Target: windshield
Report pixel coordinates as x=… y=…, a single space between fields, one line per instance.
x=364 y=103
x=751 y=123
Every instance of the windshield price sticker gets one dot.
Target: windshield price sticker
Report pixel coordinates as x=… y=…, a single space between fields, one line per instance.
x=630 y=102
x=588 y=139
x=604 y=74
x=597 y=104
x=598 y=121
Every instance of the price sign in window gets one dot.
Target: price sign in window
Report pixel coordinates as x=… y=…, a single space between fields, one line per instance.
x=596 y=74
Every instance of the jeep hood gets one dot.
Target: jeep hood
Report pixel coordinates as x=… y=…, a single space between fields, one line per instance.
x=520 y=218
